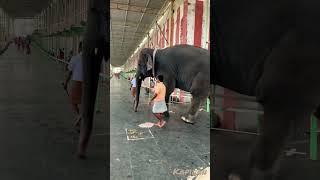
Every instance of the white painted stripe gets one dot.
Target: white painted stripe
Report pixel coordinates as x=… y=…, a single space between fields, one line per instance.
x=205 y=24
x=165 y=39
x=191 y=21
x=178 y=4
x=174 y=27
x=181 y=16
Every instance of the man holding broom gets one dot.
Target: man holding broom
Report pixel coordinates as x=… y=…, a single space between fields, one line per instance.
x=75 y=73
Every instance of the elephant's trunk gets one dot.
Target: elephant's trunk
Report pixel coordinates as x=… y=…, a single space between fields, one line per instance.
x=92 y=68
x=139 y=82
x=95 y=48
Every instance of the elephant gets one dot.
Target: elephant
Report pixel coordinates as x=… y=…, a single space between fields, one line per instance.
x=183 y=66
x=268 y=50
x=95 y=49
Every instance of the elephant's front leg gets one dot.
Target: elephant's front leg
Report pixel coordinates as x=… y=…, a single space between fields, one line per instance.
x=200 y=92
x=170 y=85
x=215 y=120
x=316 y=113
x=166 y=114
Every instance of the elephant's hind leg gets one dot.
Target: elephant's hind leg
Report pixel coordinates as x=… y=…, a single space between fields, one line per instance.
x=317 y=112
x=192 y=113
x=166 y=114
x=200 y=92
x=278 y=119
x=170 y=89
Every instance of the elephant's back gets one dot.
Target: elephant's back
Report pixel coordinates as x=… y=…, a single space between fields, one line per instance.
x=188 y=52
x=190 y=48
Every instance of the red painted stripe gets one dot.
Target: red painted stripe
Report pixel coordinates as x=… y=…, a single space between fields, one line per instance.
x=177 y=34
x=178 y=26
x=159 y=37
x=167 y=32
x=198 y=23
x=156 y=33
x=152 y=40
x=183 y=38
x=171 y=31
x=228 y=116
x=209 y=36
x=162 y=36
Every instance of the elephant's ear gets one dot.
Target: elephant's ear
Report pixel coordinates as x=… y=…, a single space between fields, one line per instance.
x=149 y=62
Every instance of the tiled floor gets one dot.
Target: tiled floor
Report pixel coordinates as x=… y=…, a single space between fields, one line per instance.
x=177 y=146
x=36 y=138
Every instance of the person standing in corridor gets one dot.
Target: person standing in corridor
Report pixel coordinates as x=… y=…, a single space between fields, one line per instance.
x=133 y=87
x=75 y=73
x=159 y=105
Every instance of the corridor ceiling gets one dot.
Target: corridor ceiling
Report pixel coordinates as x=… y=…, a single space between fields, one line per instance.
x=23 y=8
x=130 y=23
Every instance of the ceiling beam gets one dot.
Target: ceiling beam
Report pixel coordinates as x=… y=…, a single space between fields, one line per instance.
x=131 y=32
x=113 y=3
x=139 y=24
x=133 y=8
x=127 y=24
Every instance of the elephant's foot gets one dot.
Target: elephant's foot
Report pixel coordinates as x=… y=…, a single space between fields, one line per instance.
x=83 y=141
x=189 y=119
x=317 y=114
x=233 y=176
x=257 y=174
x=77 y=129
x=81 y=154
x=215 y=120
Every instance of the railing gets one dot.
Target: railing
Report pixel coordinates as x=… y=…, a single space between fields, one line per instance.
x=103 y=75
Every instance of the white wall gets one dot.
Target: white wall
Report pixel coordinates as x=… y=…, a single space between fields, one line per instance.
x=23 y=27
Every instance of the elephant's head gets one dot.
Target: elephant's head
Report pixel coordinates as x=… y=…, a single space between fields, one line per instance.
x=144 y=69
x=96 y=42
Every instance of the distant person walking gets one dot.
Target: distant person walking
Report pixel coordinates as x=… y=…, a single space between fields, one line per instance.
x=28 y=42
x=75 y=73
x=19 y=43
x=159 y=103
x=23 y=43
x=61 y=54
x=133 y=87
